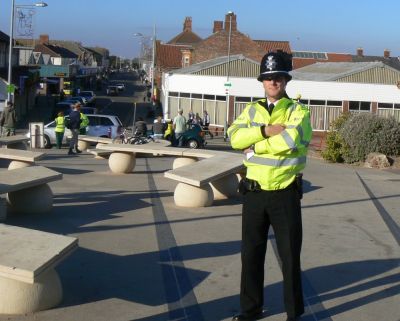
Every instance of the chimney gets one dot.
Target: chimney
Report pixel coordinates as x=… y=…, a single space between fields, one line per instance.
x=360 y=52
x=187 y=25
x=386 y=53
x=44 y=39
x=218 y=25
x=186 y=57
x=228 y=18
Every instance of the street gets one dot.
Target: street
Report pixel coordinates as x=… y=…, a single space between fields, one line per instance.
x=123 y=105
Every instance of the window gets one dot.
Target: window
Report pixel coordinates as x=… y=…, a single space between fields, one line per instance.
x=221 y=98
x=187 y=95
x=334 y=103
x=209 y=97
x=197 y=96
x=173 y=94
x=243 y=99
x=106 y=121
x=385 y=105
x=365 y=105
x=359 y=106
x=317 y=102
x=396 y=106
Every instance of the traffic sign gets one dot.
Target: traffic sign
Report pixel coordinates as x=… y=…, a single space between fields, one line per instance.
x=228 y=84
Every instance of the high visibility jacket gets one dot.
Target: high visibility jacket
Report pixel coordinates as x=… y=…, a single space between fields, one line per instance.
x=60 y=124
x=277 y=159
x=84 y=121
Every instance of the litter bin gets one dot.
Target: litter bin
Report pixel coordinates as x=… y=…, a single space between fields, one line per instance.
x=36 y=133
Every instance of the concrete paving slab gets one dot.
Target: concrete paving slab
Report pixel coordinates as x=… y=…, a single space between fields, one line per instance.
x=142 y=258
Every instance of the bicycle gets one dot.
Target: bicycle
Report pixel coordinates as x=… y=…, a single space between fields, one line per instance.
x=123 y=137
x=136 y=139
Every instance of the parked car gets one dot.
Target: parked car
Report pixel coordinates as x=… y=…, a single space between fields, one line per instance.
x=82 y=100
x=89 y=110
x=64 y=106
x=120 y=86
x=112 y=91
x=99 y=126
x=89 y=95
x=193 y=137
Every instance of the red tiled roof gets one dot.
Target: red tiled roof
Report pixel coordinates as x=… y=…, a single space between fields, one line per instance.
x=169 y=56
x=185 y=38
x=270 y=45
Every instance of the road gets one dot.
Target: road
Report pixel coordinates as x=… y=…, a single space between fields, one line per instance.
x=123 y=105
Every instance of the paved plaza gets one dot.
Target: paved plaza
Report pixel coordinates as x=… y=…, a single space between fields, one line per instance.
x=143 y=258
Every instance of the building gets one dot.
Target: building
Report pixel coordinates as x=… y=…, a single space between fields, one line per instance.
x=327 y=88
x=187 y=48
x=24 y=78
x=305 y=58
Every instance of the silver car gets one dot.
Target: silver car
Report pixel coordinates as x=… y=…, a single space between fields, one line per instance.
x=99 y=126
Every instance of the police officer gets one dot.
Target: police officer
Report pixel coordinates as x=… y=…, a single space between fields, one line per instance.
x=274 y=134
x=60 y=128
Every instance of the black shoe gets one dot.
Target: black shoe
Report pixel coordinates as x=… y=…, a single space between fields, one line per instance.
x=70 y=152
x=78 y=151
x=248 y=317
x=293 y=319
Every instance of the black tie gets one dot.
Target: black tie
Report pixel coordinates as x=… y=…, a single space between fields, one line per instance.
x=270 y=108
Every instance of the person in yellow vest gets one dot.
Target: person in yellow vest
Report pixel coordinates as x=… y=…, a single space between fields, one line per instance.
x=84 y=122
x=60 y=128
x=274 y=134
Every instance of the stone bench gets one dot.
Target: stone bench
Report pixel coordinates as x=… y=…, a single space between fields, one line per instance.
x=84 y=141
x=20 y=158
x=100 y=153
x=28 y=280
x=214 y=177
x=210 y=179
x=15 y=142
x=27 y=189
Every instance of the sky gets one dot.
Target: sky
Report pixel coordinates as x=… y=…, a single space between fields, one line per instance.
x=339 y=26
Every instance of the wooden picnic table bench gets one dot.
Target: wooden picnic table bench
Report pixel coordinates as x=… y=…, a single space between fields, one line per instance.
x=20 y=158
x=27 y=189
x=16 y=141
x=28 y=280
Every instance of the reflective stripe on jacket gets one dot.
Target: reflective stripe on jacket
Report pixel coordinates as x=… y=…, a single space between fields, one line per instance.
x=277 y=159
x=60 y=124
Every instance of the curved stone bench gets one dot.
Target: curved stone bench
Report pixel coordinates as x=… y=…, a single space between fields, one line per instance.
x=200 y=182
x=28 y=280
x=14 y=142
x=84 y=141
x=27 y=189
x=20 y=158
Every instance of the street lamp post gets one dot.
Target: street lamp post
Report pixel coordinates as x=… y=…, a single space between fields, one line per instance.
x=152 y=62
x=138 y=34
x=10 y=50
x=230 y=13
x=11 y=44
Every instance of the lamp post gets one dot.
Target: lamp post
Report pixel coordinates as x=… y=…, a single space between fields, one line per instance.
x=230 y=13
x=10 y=49
x=152 y=62
x=138 y=34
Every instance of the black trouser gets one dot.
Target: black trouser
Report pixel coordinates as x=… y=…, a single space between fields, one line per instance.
x=282 y=210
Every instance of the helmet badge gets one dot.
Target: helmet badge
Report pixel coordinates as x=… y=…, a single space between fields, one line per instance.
x=270 y=63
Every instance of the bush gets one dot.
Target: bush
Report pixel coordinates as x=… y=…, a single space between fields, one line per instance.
x=334 y=141
x=364 y=133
